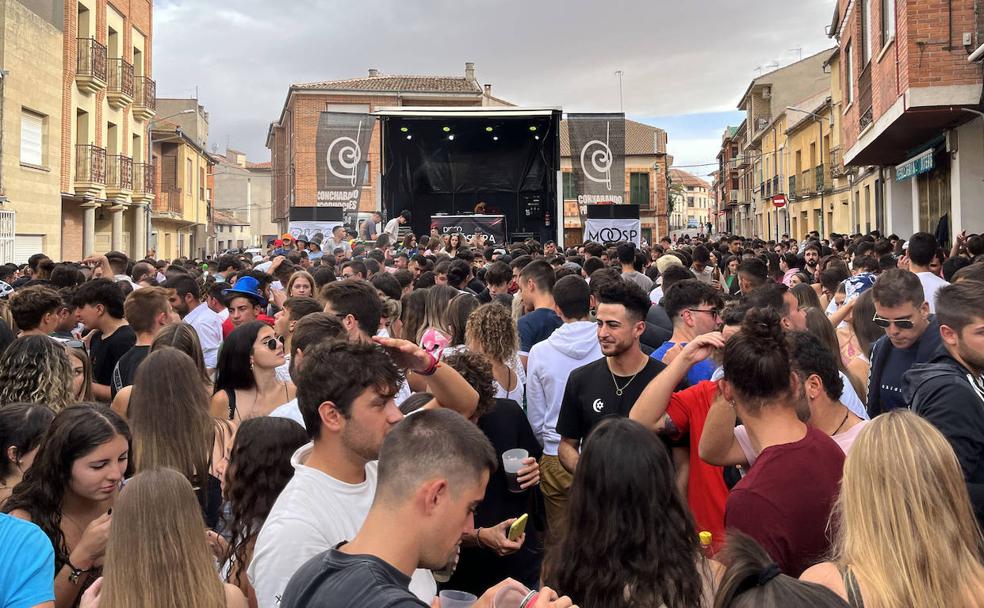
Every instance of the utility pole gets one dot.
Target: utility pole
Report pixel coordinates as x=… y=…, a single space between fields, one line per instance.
x=621 y=107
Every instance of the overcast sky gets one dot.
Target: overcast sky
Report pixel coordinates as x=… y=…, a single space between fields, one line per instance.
x=685 y=63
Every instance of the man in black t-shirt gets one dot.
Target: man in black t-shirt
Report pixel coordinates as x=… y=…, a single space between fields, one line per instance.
x=433 y=468
x=99 y=306
x=147 y=310
x=611 y=385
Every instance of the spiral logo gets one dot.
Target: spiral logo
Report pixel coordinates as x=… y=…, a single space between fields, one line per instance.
x=596 y=162
x=343 y=158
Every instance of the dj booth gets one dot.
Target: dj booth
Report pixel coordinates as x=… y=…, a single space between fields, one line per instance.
x=439 y=163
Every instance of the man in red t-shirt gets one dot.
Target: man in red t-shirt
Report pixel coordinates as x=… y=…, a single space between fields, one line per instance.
x=679 y=414
x=245 y=302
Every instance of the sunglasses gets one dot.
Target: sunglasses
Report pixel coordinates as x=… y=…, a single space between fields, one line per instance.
x=272 y=343
x=886 y=323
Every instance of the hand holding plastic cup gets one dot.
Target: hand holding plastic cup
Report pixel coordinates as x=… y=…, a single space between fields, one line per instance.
x=512 y=462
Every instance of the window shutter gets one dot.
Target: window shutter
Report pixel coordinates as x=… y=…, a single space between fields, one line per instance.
x=32 y=131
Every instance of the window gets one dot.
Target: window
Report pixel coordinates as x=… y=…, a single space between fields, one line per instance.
x=189 y=178
x=201 y=183
x=865 y=32
x=690 y=201
x=32 y=139
x=639 y=189
x=887 y=21
x=569 y=193
x=849 y=72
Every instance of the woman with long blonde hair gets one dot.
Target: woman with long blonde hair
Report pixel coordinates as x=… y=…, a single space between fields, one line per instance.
x=155 y=520
x=301 y=283
x=906 y=533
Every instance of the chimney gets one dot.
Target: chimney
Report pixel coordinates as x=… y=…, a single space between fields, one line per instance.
x=488 y=90
x=469 y=70
x=373 y=73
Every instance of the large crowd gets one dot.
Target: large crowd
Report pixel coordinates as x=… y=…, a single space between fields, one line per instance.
x=381 y=419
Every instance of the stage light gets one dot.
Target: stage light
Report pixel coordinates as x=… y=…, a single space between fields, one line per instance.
x=537 y=137
x=488 y=129
x=532 y=128
x=495 y=138
x=409 y=137
x=446 y=129
x=451 y=137
x=404 y=129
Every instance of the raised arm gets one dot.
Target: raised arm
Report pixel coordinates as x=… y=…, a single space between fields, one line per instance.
x=650 y=409
x=447 y=386
x=718 y=445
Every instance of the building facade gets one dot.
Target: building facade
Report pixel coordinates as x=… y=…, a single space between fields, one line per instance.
x=646 y=168
x=31 y=41
x=181 y=207
x=108 y=99
x=244 y=190
x=232 y=232
x=692 y=202
x=291 y=139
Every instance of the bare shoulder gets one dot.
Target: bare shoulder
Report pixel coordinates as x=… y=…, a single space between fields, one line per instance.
x=826 y=574
x=220 y=405
x=234 y=596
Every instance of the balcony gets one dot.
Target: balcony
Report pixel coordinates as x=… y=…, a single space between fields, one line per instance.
x=143 y=182
x=168 y=202
x=744 y=159
x=836 y=163
x=144 y=98
x=119 y=177
x=776 y=183
x=90 y=65
x=864 y=98
x=90 y=170
x=733 y=197
x=119 y=93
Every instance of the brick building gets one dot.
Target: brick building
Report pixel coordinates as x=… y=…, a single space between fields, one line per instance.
x=908 y=86
x=726 y=181
x=291 y=139
x=107 y=101
x=646 y=167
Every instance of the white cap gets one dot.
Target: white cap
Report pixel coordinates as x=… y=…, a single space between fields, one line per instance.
x=257 y=259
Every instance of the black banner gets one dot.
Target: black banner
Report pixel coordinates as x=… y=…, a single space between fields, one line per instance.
x=342 y=153
x=492 y=226
x=598 y=157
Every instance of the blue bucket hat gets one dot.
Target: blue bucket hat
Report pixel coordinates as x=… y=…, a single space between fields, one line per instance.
x=246 y=287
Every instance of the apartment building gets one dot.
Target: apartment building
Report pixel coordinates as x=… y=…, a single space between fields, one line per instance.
x=646 y=167
x=911 y=108
x=726 y=186
x=291 y=139
x=181 y=207
x=692 y=202
x=244 y=190
x=232 y=232
x=31 y=40
x=108 y=99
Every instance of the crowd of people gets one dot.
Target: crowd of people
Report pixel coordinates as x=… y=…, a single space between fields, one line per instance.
x=426 y=420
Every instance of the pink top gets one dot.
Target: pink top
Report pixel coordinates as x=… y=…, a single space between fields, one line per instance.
x=845 y=440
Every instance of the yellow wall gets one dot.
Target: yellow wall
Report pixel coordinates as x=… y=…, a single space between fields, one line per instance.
x=195 y=208
x=32 y=57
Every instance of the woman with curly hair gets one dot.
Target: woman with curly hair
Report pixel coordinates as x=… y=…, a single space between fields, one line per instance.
x=491 y=331
x=487 y=554
x=628 y=539
x=36 y=369
x=70 y=489
x=259 y=468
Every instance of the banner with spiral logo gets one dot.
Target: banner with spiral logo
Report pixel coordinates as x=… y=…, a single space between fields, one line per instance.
x=598 y=157
x=342 y=147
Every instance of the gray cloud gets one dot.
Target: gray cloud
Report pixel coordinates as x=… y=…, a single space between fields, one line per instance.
x=678 y=57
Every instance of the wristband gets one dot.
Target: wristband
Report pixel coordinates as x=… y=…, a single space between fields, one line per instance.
x=75 y=572
x=478 y=537
x=434 y=364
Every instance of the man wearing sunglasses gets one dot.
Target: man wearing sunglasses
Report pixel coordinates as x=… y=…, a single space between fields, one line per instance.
x=912 y=336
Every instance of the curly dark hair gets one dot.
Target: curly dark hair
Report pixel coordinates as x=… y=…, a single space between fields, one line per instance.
x=259 y=469
x=626 y=527
x=74 y=432
x=476 y=369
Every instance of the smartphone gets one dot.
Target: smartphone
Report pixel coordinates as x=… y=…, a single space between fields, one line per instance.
x=518 y=527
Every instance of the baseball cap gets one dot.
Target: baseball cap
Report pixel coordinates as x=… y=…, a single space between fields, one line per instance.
x=248 y=287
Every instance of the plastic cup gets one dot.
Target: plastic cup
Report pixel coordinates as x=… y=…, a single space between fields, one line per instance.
x=456 y=599
x=512 y=462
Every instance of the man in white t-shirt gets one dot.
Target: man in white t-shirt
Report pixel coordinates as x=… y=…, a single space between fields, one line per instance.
x=186 y=300
x=393 y=226
x=922 y=249
x=345 y=395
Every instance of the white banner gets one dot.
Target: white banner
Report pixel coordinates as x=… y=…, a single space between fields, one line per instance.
x=613 y=231
x=317 y=231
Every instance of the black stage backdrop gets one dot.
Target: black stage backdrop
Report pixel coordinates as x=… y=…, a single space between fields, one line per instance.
x=448 y=165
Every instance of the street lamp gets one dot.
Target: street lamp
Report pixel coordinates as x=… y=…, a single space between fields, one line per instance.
x=830 y=124
x=150 y=159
